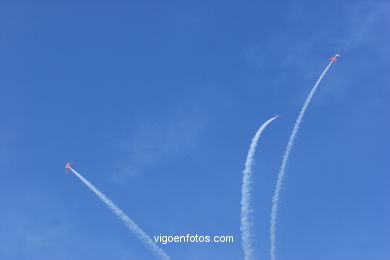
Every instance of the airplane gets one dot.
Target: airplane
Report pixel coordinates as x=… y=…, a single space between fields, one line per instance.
x=277 y=116
x=335 y=57
x=68 y=166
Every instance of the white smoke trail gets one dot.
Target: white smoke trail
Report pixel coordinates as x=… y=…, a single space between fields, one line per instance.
x=279 y=182
x=128 y=222
x=246 y=212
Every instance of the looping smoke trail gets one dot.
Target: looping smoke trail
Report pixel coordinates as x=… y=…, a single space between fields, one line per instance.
x=279 y=182
x=128 y=222
x=246 y=212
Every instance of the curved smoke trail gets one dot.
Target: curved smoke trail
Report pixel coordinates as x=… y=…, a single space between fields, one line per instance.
x=246 y=212
x=128 y=222
x=279 y=182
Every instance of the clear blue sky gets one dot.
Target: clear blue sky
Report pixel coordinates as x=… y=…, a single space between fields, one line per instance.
x=156 y=103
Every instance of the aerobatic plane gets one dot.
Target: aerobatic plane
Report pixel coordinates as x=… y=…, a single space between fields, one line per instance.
x=335 y=57
x=68 y=166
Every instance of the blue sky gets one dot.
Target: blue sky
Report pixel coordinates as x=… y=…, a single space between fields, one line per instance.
x=156 y=103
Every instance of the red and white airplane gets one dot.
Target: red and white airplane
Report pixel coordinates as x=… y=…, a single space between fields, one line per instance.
x=68 y=166
x=335 y=57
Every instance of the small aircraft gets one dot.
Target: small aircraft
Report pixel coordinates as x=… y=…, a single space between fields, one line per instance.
x=68 y=166
x=335 y=57
x=277 y=116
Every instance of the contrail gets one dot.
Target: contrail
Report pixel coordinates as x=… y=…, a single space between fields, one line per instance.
x=128 y=222
x=279 y=182
x=246 y=212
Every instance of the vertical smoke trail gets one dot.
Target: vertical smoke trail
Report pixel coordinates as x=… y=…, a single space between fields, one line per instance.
x=128 y=222
x=279 y=182
x=246 y=212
